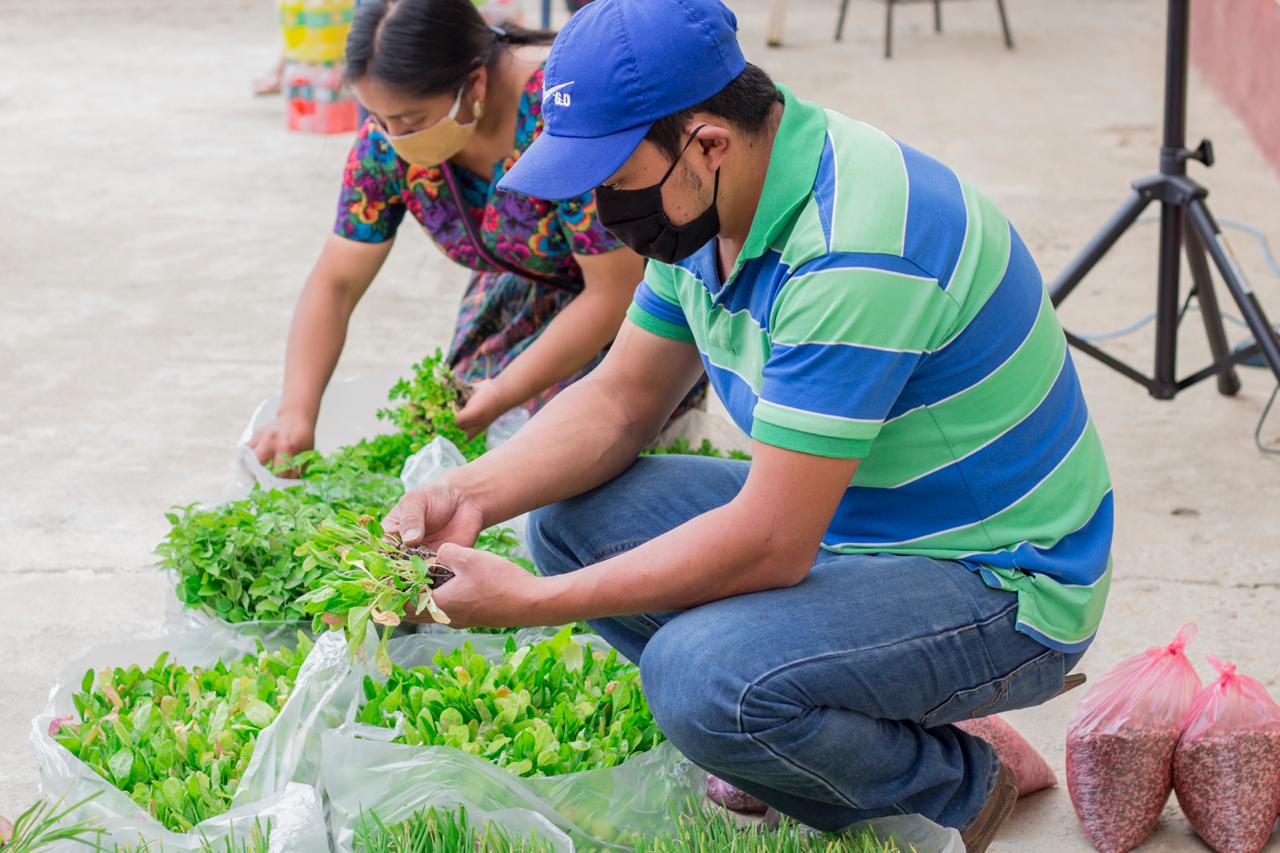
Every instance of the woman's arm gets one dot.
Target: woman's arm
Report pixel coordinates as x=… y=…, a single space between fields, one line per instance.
x=340 y=277
x=570 y=341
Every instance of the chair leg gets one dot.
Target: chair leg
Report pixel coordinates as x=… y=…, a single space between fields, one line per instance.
x=888 y=29
x=937 y=16
x=1004 y=24
x=844 y=7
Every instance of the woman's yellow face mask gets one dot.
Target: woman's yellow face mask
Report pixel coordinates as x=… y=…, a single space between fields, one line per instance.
x=437 y=143
x=422 y=146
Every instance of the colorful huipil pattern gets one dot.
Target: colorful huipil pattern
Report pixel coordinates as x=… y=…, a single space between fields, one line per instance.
x=501 y=313
x=884 y=310
x=315 y=38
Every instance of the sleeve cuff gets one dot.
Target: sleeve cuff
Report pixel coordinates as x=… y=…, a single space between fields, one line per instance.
x=652 y=323
x=807 y=442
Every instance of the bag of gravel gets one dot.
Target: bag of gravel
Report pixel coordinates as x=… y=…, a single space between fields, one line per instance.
x=1029 y=769
x=1120 y=743
x=1226 y=769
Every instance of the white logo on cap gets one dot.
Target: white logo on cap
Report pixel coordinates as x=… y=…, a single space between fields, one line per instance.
x=561 y=99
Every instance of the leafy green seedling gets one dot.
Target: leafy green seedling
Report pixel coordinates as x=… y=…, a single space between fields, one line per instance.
x=427 y=406
x=178 y=740
x=364 y=577
x=682 y=447
x=44 y=824
x=548 y=708
x=441 y=831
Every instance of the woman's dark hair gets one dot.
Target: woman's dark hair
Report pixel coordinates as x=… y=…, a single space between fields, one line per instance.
x=426 y=47
x=745 y=103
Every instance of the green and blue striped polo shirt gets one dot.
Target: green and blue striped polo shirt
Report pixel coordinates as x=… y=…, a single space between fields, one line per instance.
x=884 y=310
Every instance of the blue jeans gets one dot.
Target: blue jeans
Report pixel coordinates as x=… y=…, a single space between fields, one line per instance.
x=829 y=700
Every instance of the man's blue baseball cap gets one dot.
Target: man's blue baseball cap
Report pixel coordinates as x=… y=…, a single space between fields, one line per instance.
x=616 y=68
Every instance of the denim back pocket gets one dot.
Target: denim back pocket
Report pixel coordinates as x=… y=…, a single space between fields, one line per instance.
x=1030 y=684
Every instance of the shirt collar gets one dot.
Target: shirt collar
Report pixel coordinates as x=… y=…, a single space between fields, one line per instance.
x=793 y=166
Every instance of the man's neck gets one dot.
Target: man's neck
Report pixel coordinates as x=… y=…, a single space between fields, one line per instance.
x=741 y=185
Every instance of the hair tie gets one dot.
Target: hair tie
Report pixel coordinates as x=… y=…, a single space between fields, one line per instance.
x=499 y=32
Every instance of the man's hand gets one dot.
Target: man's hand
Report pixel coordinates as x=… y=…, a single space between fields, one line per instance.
x=485 y=590
x=436 y=513
x=287 y=435
x=483 y=407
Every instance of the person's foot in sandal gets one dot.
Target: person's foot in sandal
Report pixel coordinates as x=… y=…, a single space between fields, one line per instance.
x=270 y=83
x=999 y=806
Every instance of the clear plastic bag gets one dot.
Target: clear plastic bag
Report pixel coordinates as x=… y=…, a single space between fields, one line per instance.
x=1028 y=766
x=1226 y=769
x=348 y=413
x=914 y=832
x=1120 y=743
x=278 y=787
x=363 y=772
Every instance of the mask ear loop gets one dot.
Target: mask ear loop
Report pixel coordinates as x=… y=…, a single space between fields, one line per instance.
x=457 y=104
x=692 y=138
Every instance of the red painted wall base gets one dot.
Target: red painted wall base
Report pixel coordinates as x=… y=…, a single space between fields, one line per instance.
x=1236 y=46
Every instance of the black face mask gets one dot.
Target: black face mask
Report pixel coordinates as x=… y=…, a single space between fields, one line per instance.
x=636 y=217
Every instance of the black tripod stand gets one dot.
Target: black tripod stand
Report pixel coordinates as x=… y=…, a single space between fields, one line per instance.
x=1185 y=224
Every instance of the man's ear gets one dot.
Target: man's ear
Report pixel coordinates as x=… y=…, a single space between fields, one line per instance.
x=714 y=141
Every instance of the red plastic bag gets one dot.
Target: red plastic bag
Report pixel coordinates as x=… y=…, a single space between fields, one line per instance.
x=1226 y=770
x=1120 y=743
x=1029 y=768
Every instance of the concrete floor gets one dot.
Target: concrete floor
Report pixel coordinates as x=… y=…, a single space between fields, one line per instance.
x=158 y=222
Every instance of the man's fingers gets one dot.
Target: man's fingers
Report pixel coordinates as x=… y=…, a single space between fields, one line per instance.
x=412 y=511
x=263 y=451
x=451 y=555
x=391 y=521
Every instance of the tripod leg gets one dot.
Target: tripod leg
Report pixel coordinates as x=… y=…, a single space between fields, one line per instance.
x=1164 y=384
x=888 y=29
x=1211 y=238
x=1097 y=247
x=1228 y=381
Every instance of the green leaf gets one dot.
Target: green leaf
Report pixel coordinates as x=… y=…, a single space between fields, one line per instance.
x=120 y=764
x=259 y=713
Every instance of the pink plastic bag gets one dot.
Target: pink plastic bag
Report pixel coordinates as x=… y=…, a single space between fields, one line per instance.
x=1120 y=743
x=1226 y=769
x=1029 y=768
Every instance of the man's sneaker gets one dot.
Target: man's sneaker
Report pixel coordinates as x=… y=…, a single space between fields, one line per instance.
x=995 y=812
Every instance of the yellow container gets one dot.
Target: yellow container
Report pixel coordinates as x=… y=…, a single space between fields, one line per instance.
x=315 y=31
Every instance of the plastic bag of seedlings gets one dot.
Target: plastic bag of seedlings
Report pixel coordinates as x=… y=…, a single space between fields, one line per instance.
x=348 y=413
x=276 y=793
x=365 y=773
x=1226 y=769
x=1120 y=743
x=1028 y=766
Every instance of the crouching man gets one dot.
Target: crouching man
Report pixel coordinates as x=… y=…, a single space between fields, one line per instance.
x=923 y=533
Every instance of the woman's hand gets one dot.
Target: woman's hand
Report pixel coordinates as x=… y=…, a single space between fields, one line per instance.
x=436 y=513
x=287 y=435
x=485 y=590
x=483 y=407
